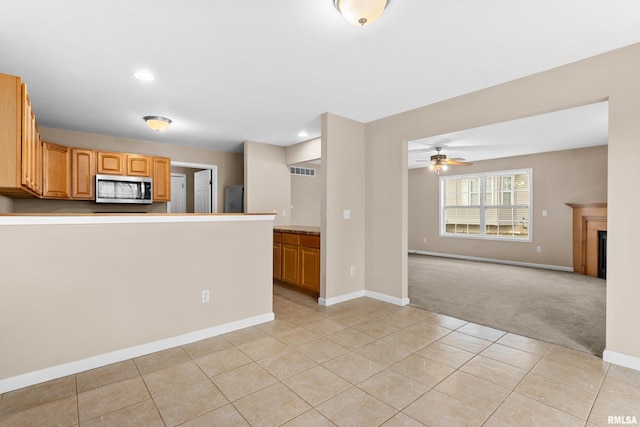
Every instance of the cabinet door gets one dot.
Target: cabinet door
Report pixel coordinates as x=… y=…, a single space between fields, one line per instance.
x=290 y=261
x=83 y=174
x=31 y=156
x=56 y=167
x=138 y=165
x=310 y=268
x=277 y=261
x=277 y=256
x=161 y=179
x=111 y=163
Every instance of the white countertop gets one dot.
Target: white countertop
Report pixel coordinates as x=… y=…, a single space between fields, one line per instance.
x=69 y=219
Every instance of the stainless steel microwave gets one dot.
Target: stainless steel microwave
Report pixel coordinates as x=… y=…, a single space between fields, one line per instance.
x=123 y=189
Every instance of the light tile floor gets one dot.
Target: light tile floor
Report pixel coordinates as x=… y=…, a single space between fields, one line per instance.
x=359 y=363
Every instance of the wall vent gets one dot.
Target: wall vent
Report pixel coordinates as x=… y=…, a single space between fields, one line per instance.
x=303 y=171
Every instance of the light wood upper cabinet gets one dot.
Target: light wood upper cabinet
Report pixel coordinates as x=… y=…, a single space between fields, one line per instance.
x=56 y=167
x=31 y=176
x=161 y=179
x=138 y=165
x=83 y=174
x=20 y=143
x=111 y=163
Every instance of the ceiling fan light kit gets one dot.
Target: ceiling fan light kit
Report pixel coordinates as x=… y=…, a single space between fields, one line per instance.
x=440 y=163
x=361 y=12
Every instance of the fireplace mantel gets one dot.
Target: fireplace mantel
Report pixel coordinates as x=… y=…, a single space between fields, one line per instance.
x=588 y=219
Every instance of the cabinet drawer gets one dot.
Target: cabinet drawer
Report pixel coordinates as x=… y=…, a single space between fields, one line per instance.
x=277 y=237
x=310 y=241
x=291 y=239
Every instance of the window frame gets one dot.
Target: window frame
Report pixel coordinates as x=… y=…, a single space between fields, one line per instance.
x=483 y=206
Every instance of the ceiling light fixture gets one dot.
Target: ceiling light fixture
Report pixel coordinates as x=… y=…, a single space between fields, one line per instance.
x=438 y=167
x=144 y=76
x=157 y=123
x=303 y=134
x=361 y=12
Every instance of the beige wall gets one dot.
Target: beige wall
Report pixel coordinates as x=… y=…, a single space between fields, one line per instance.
x=6 y=204
x=570 y=176
x=304 y=151
x=230 y=165
x=102 y=288
x=267 y=181
x=342 y=240
x=32 y=206
x=306 y=194
x=612 y=76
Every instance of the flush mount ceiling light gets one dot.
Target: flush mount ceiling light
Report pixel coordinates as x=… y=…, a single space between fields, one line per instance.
x=361 y=12
x=157 y=123
x=144 y=76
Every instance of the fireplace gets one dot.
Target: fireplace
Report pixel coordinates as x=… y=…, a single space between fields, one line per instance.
x=589 y=242
x=602 y=254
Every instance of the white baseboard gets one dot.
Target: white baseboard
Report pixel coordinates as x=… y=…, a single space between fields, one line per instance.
x=340 y=298
x=621 y=359
x=353 y=295
x=387 y=298
x=59 y=371
x=495 y=261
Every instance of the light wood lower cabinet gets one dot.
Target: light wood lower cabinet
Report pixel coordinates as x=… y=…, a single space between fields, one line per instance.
x=56 y=167
x=310 y=268
x=277 y=256
x=296 y=260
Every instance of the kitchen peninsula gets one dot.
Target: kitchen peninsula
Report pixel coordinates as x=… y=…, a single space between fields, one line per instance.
x=82 y=291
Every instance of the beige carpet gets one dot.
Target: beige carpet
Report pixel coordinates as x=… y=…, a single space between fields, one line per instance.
x=561 y=308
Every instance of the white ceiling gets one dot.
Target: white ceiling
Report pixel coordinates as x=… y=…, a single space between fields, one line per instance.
x=585 y=126
x=235 y=70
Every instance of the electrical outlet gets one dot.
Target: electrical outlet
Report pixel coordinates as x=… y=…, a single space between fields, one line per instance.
x=205 y=295
x=284 y=212
x=346 y=214
x=538 y=248
x=352 y=270
x=544 y=213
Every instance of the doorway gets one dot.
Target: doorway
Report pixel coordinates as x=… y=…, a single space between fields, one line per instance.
x=567 y=152
x=202 y=191
x=207 y=183
x=178 y=203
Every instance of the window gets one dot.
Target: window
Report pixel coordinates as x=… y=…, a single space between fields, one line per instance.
x=495 y=205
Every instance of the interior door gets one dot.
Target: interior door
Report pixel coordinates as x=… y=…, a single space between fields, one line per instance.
x=178 y=202
x=203 y=200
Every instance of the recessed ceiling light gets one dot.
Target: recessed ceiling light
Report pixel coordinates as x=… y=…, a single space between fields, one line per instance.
x=144 y=76
x=302 y=134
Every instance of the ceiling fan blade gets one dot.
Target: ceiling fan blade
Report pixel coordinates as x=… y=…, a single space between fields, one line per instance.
x=456 y=163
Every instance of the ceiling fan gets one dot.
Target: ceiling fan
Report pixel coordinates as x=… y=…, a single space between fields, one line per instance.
x=439 y=162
